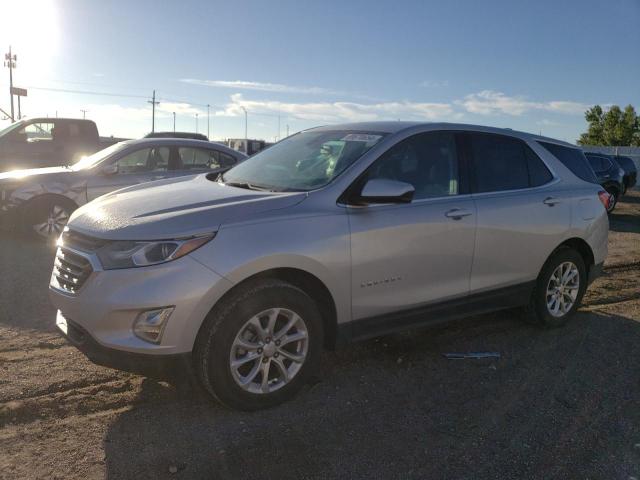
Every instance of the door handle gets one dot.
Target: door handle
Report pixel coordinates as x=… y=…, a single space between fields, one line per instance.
x=457 y=213
x=550 y=201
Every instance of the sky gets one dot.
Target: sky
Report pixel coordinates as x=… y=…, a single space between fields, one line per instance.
x=534 y=66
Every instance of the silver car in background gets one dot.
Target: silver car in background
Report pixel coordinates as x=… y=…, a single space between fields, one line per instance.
x=335 y=234
x=41 y=200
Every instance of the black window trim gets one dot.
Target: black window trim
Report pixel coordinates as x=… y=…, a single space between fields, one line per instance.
x=524 y=144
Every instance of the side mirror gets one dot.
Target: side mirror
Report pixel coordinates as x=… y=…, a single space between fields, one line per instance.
x=386 y=191
x=110 y=169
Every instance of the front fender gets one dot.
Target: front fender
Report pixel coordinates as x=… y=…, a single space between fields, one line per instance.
x=318 y=245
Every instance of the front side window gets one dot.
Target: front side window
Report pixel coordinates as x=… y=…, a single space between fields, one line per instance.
x=573 y=159
x=200 y=158
x=145 y=160
x=303 y=162
x=428 y=161
x=498 y=163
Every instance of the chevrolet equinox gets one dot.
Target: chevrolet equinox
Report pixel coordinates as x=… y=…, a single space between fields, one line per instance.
x=335 y=234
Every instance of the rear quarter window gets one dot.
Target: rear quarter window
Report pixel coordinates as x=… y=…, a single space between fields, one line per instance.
x=573 y=159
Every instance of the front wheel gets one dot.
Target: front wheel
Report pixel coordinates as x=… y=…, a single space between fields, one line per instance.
x=260 y=346
x=559 y=288
x=45 y=217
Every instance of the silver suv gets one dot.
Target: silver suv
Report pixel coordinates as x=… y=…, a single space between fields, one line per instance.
x=335 y=234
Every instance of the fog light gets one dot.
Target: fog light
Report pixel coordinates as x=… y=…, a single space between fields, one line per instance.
x=149 y=325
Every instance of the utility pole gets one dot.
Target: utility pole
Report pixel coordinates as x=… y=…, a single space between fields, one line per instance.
x=287 y=130
x=84 y=114
x=278 y=126
x=153 y=111
x=196 y=123
x=208 y=120
x=10 y=62
x=246 y=138
x=174 y=122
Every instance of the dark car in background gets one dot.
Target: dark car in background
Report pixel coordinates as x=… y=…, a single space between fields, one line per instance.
x=40 y=201
x=48 y=142
x=630 y=171
x=609 y=175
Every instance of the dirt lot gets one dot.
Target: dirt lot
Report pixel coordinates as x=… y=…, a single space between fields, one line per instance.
x=557 y=404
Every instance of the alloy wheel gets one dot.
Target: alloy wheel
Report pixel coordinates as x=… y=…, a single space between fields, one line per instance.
x=562 y=289
x=269 y=350
x=52 y=223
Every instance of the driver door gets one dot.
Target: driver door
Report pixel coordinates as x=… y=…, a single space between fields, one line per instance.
x=133 y=167
x=408 y=255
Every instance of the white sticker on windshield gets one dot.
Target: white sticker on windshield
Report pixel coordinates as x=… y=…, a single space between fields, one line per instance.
x=361 y=137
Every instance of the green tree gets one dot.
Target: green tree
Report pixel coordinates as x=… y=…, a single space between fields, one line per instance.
x=611 y=128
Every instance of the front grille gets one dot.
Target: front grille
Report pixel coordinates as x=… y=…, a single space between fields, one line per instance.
x=70 y=270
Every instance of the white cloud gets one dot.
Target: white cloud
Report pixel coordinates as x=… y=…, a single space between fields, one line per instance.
x=181 y=108
x=342 y=111
x=259 y=86
x=489 y=102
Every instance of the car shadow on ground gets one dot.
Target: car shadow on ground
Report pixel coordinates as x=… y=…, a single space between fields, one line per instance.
x=553 y=406
x=622 y=222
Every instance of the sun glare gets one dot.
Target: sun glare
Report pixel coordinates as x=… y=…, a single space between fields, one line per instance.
x=31 y=28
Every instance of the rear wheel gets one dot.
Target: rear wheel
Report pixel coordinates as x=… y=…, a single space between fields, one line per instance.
x=559 y=288
x=45 y=217
x=613 y=200
x=260 y=346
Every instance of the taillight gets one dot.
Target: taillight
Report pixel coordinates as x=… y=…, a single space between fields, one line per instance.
x=605 y=198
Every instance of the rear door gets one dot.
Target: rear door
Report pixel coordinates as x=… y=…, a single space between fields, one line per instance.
x=408 y=255
x=522 y=213
x=133 y=166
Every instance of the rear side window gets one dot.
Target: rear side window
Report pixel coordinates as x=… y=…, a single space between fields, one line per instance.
x=498 y=163
x=539 y=174
x=573 y=159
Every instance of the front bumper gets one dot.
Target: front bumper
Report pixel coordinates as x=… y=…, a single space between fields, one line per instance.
x=158 y=366
x=109 y=301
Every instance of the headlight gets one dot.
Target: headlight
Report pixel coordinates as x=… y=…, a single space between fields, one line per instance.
x=127 y=254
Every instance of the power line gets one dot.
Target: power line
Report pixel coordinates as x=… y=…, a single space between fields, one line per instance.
x=87 y=92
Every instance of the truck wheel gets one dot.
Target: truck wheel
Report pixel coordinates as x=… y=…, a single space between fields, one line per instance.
x=559 y=288
x=260 y=346
x=45 y=217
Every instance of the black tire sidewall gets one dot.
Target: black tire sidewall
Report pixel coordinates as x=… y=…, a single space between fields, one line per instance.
x=540 y=302
x=239 y=310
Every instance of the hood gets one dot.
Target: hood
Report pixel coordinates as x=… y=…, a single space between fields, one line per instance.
x=31 y=172
x=174 y=208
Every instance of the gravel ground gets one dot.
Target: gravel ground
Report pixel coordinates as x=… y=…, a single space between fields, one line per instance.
x=557 y=404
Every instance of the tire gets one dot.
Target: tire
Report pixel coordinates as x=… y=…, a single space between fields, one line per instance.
x=45 y=217
x=231 y=322
x=540 y=311
x=614 y=199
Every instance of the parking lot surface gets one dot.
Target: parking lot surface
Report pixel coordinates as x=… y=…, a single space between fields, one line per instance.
x=558 y=403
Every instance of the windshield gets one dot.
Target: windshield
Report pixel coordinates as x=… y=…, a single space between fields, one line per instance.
x=303 y=162
x=93 y=160
x=11 y=127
